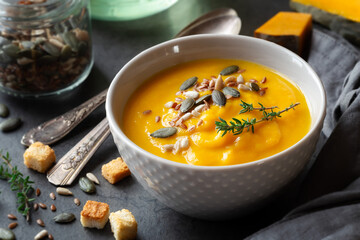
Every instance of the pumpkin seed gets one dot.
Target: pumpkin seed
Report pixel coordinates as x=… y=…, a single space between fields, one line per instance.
x=164 y=132
x=87 y=185
x=92 y=177
x=218 y=98
x=187 y=104
x=229 y=70
x=11 y=50
x=64 y=218
x=10 y=124
x=51 y=49
x=254 y=87
x=4 y=41
x=188 y=83
x=27 y=44
x=202 y=99
x=4 y=58
x=70 y=39
x=6 y=234
x=231 y=91
x=4 y=110
x=65 y=52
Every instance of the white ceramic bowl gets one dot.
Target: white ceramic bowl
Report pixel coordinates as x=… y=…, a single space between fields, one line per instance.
x=215 y=192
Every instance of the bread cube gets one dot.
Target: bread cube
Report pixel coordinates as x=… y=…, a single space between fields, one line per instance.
x=94 y=214
x=39 y=157
x=115 y=170
x=123 y=225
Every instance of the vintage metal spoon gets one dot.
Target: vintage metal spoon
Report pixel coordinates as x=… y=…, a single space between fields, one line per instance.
x=224 y=20
x=70 y=165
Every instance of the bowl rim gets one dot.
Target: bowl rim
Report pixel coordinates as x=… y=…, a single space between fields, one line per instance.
x=115 y=127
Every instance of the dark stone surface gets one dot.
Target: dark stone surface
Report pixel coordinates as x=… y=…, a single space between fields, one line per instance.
x=115 y=43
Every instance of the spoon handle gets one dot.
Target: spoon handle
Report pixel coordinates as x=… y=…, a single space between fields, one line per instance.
x=69 y=166
x=53 y=130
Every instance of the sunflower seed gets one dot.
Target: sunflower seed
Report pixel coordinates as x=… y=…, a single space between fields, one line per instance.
x=12 y=225
x=6 y=234
x=187 y=104
x=64 y=218
x=169 y=104
x=230 y=79
x=254 y=87
x=264 y=80
x=70 y=39
x=244 y=87
x=167 y=147
x=199 y=108
x=229 y=70
x=184 y=143
x=87 y=185
x=41 y=234
x=231 y=91
x=240 y=79
x=157 y=119
x=164 y=132
x=12 y=216
x=92 y=177
x=192 y=94
x=219 y=83
x=10 y=124
x=202 y=98
x=36 y=206
x=63 y=191
x=188 y=83
x=40 y=222
x=218 y=98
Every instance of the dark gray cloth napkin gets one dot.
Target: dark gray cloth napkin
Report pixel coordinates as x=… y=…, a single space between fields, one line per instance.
x=330 y=193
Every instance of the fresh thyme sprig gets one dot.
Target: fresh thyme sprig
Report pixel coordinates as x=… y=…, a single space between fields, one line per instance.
x=237 y=126
x=18 y=184
x=247 y=107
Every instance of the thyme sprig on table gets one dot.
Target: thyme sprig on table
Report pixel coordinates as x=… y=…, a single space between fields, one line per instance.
x=19 y=184
x=237 y=126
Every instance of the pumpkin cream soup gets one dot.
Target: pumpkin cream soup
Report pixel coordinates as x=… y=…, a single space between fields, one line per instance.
x=216 y=112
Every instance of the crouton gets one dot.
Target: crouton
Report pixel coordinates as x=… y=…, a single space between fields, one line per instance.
x=39 y=157
x=94 y=214
x=115 y=170
x=123 y=225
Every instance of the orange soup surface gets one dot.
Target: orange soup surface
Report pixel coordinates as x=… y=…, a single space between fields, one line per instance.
x=155 y=105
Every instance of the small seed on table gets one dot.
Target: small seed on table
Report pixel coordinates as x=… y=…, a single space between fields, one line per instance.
x=50 y=237
x=42 y=205
x=87 y=185
x=4 y=111
x=63 y=191
x=12 y=225
x=12 y=216
x=40 y=222
x=53 y=207
x=38 y=192
x=92 y=177
x=64 y=218
x=36 y=206
x=41 y=235
x=52 y=196
x=77 y=201
x=10 y=124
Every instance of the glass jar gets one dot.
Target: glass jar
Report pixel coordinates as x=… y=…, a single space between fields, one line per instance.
x=45 y=46
x=121 y=10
